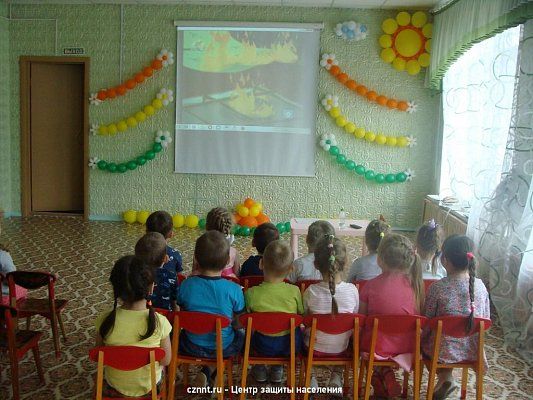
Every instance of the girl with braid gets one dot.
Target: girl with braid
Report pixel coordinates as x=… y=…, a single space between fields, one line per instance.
x=428 y=244
x=459 y=293
x=220 y=219
x=132 y=323
x=331 y=296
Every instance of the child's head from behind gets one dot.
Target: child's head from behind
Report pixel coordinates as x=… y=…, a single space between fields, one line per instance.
x=219 y=219
x=330 y=260
x=277 y=259
x=316 y=232
x=152 y=249
x=161 y=222
x=211 y=252
x=263 y=235
x=429 y=239
x=375 y=231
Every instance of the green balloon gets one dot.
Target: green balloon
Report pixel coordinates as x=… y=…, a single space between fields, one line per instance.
x=334 y=150
x=150 y=155
x=401 y=177
x=112 y=167
x=245 y=231
x=122 y=168
x=157 y=147
x=380 y=178
x=201 y=223
x=140 y=160
x=341 y=159
x=360 y=170
x=390 y=178
x=350 y=165
x=369 y=175
x=131 y=165
x=234 y=230
x=252 y=230
x=281 y=227
x=287 y=226
x=102 y=165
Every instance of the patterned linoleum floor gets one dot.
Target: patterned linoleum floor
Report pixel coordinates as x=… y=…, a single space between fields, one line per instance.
x=82 y=254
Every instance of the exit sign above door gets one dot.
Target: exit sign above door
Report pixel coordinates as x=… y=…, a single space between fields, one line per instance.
x=73 y=51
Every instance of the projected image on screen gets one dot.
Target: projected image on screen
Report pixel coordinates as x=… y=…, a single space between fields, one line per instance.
x=249 y=82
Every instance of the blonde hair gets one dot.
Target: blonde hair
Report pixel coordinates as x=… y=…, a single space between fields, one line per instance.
x=398 y=253
x=277 y=258
x=219 y=219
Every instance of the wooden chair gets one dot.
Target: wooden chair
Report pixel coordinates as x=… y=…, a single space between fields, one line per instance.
x=428 y=283
x=49 y=308
x=305 y=283
x=181 y=278
x=128 y=358
x=270 y=323
x=454 y=326
x=334 y=325
x=360 y=284
x=17 y=343
x=250 y=281
x=390 y=325
x=198 y=323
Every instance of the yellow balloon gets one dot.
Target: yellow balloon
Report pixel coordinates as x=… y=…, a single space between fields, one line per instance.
x=412 y=67
x=112 y=129
x=260 y=206
x=341 y=121
x=140 y=116
x=131 y=121
x=243 y=211
x=381 y=139
x=349 y=127
x=385 y=41
x=403 y=18
x=428 y=45
x=130 y=216
x=142 y=216
x=191 y=221
x=423 y=60
x=401 y=141
x=149 y=110
x=335 y=112
x=370 y=136
x=427 y=30
x=122 y=126
x=391 y=141
x=389 y=26
x=408 y=42
x=388 y=55
x=398 y=64
x=359 y=133
x=102 y=130
x=419 y=18
x=254 y=211
x=178 y=220
x=157 y=103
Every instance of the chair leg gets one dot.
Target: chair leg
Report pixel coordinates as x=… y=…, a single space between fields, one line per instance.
x=28 y=323
x=405 y=384
x=479 y=385
x=37 y=357
x=14 y=374
x=369 y=371
x=61 y=326
x=360 y=381
x=55 y=334
x=464 y=383
x=346 y=379
x=431 y=384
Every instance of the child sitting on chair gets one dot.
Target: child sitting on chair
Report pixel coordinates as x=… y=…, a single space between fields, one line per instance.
x=161 y=222
x=208 y=292
x=133 y=323
x=263 y=235
x=274 y=295
x=152 y=249
x=428 y=243
x=304 y=267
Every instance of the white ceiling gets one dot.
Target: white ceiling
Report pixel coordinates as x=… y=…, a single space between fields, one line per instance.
x=287 y=3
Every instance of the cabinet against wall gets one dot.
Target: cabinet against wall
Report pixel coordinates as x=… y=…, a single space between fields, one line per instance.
x=451 y=221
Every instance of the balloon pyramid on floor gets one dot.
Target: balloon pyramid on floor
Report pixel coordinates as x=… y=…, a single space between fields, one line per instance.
x=250 y=214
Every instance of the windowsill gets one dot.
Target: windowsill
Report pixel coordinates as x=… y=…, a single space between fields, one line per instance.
x=456 y=210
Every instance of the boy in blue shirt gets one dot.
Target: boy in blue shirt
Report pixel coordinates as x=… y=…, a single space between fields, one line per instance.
x=208 y=292
x=161 y=222
x=263 y=235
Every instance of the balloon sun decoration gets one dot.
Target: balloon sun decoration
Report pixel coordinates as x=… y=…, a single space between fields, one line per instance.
x=407 y=41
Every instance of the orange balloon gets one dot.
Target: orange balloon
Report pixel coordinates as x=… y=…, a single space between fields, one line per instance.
x=139 y=78
x=111 y=93
x=248 y=202
x=102 y=95
x=157 y=64
x=351 y=84
x=335 y=70
x=342 y=77
x=250 y=222
x=130 y=83
x=372 y=96
x=236 y=217
x=121 y=90
x=381 y=100
x=361 y=90
x=402 y=105
x=262 y=219
x=392 y=103
x=148 y=72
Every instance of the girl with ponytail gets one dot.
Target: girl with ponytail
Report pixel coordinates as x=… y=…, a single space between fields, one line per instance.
x=133 y=322
x=459 y=293
x=331 y=296
x=428 y=244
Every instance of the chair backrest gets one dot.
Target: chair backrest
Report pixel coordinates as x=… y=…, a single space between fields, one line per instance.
x=305 y=283
x=271 y=322
x=198 y=322
x=360 y=284
x=390 y=324
x=428 y=283
x=126 y=358
x=181 y=277
x=454 y=325
x=31 y=280
x=334 y=324
x=251 y=281
x=233 y=279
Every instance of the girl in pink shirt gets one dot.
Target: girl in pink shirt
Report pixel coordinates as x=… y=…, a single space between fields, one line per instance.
x=398 y=290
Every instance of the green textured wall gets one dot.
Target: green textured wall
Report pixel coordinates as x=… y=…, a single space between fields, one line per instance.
x=5 y=135
x=147 y=29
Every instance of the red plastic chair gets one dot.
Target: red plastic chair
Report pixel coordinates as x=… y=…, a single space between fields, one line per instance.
x=250 y=281
x=17 y=343
x=198 y=323
x=360 y=284
x=390 y=325
x=454 y=326
x=305 y=283
x=270 y=323
x=49 y=308
x=181 y=278
x=334 y=325
x=128 y=358
x=428 y=283
x=233 y=279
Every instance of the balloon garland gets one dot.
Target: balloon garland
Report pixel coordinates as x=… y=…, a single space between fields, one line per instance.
x=329 y=144
x=164 y=98
x=406 y=42
x=351 y=30
x=163 y=59
x=162 y=140
x=331 y=105
x=250 y=213
x=329 y=62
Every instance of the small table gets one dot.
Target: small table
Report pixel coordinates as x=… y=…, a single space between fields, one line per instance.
x=299 y=226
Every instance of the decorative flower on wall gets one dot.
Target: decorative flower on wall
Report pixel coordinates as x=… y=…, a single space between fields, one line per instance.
x=163 y=137
x=411 y=141
x=328 y=60
x=330 y=101
x=351 y=30
x=327 y=140
x=410 y=174
x=93 y=162
x=166 y=57
x=166 y=96
x=411 y=107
